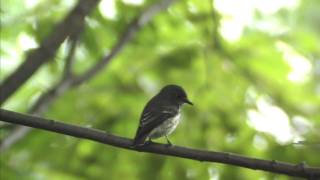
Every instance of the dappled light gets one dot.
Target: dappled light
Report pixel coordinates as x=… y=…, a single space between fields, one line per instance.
x=251 y=68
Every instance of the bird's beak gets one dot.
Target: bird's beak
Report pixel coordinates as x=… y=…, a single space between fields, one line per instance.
x=187 y=101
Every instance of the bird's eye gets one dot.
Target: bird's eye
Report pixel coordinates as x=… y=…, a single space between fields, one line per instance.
x=179 y=96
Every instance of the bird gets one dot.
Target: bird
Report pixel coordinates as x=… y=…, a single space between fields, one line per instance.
x=161 y=115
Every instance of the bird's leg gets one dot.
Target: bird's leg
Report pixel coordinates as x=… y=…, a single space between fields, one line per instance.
x=149 y=141
x=169 y=143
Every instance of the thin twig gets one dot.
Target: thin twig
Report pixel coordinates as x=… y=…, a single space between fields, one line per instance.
x=40 y=106
x=72 y=81
x=44 y=101
x=69 y=26
x=297 y=170
x=67 y=73
x=131 y=30
x=260 y=82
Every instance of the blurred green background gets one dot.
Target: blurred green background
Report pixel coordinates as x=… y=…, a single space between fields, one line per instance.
x=252 y=69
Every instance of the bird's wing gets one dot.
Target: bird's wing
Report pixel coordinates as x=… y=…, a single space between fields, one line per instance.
x=150 y=119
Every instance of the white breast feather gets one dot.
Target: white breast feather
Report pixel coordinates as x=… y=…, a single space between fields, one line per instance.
x=166 y=128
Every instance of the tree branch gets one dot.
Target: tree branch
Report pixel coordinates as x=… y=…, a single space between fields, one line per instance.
x=297 y=170
x=40 y=106
x=44 y=101
x=69 y=26
x=71 y=81
x=131 y=30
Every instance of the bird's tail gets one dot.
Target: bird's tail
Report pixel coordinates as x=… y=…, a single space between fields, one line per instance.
x=139 y=140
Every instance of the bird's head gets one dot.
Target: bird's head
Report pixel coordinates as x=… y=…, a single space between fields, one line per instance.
x=175 y=93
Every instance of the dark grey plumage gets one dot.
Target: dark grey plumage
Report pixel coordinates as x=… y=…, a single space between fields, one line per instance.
x=161 y=114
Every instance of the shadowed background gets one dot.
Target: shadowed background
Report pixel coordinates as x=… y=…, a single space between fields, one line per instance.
x=252 y=70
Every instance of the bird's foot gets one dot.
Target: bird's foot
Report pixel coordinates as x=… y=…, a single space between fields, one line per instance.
x=169 y=144
x=148 y=142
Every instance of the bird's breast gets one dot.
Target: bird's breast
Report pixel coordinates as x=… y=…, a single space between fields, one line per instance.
x=166 y=128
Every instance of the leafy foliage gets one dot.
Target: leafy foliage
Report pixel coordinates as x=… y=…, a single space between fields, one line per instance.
x=254 y=95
